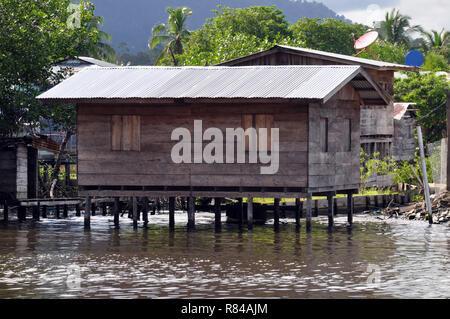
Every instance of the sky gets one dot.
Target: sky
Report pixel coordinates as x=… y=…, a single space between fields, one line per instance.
x=431 y=14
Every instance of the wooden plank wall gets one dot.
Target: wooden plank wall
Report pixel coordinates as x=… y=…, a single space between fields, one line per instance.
x=8 y=171
x=22 y=172
x=152 y=165
x=336 y=169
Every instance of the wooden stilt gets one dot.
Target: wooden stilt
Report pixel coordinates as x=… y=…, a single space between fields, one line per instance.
x=116 y=212
x=350 y=207
x=87 y=213
x=191 y=213
x=308 y=212
x=330 y=211
x=276 y=213
x=135 y=213
x=250 y=212
x=78 y=210
x=36 y=211
x=145 y=211
x=57 y=211
x=65 y=211
x=21 y=213
x=171 y=213
x=316 y=208
x=298 y=211
x=44 y=211
x=93 y=208
x=217 y=214
x=104 y=209
x=5 y=211
x=335 y=206
x=241 y=211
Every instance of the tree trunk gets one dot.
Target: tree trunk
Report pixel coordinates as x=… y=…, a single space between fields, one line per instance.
x=57 y=166
x=175 y=63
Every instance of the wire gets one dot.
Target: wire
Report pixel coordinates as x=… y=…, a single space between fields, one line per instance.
x=432 y=111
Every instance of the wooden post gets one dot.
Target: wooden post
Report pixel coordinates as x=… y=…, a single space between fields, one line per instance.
x=35 y=212
x=21 y=213
x=240 y=211
x=87 y=213
x=191 y=213
x=448 y=140
x=5 y=211
x=330 y=211
x=78 y=210
x=104 y=209
x=424 y=174
x=316 y=208
x=44 y=211
x=298 y=210
x=276 y=213
x=250 y=212
x=93 y=208
x=145 y=211
x=217 y=214
x=135 y=213
x=350 y=207
x=171 y=213
x=116 y=212
x=308 y=211
x=67 y=169
x=57 y=211
x=65 y=211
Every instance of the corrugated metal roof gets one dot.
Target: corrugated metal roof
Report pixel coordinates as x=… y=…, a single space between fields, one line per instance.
x=400 y=109
x=342 y=58
x=290 y=82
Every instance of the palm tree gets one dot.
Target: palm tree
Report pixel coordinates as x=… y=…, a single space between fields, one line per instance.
x=436 y=40
x=396 y=27
x=100 y=49
x=173 y=34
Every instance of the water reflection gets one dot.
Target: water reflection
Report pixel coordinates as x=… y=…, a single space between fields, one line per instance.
x=45 y=259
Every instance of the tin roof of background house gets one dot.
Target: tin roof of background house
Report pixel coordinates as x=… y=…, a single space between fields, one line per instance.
x=218 y=82
x=333 y=57
x=400 y=109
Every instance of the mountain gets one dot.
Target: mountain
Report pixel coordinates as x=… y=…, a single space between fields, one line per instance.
x=131 y=21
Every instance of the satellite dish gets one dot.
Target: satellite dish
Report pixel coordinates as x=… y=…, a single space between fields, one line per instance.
x=414 y=58
x=364 y=42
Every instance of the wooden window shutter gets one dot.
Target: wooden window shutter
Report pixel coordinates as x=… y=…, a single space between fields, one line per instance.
x=126 y=133
x=247 y=122
x=116 y=132
x=265 y=121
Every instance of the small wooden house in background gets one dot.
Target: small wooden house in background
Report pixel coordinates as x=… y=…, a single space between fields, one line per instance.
x=19 y=165
x=377 y=125
x=126 y=117
x=404 y=144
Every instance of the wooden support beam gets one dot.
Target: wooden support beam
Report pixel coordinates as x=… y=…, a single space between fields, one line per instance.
x=308 y=212
x=350 y=207
x=316 y=208
x=135 y=213
x=298 y=211
x=171 y=213
x=36 y=211
x=276 y=213
x=21 y=213
x=241 y=211
x=87 y=213
x=191 y=213
x=104 y=209
x=77 y=210
x=65 y=211
x=57 y=211
x=217 y=214
x=330 y=211
x=250 y=212
x=93 y=208
x=116 y=212
x=145 y=211
x=44 y=211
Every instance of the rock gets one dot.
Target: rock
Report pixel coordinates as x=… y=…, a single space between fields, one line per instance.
x=418 y=215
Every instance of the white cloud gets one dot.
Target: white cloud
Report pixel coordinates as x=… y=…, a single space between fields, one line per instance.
x=431 y=14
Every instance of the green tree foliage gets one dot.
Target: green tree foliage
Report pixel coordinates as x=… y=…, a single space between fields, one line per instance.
x=385 y=51
x=434 y=39
x=328 y=35
x=100 y=49
x=172 y=34
x=429 y=92
x=33 y=35
x=435 y=62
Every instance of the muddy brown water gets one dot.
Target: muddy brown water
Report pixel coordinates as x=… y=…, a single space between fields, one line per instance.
x=375 y=259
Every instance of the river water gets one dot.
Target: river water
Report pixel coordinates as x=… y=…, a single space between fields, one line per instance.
x=375 y=259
